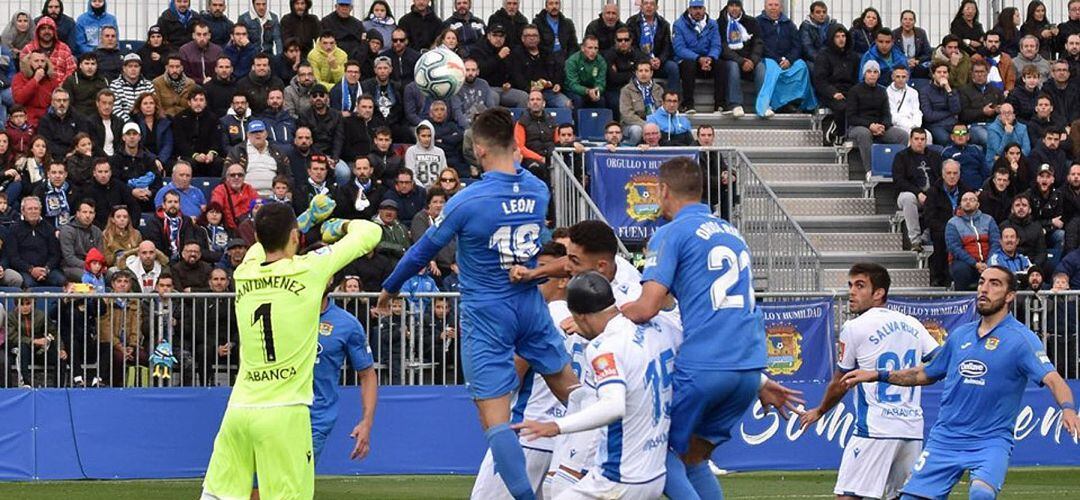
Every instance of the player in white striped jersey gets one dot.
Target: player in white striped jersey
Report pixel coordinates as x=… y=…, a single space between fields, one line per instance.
x=629 y=366
x=888 y=419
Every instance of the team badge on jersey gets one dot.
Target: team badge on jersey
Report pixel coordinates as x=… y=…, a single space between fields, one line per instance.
x=604 y=367
x=326 y=328
x=992 y=343
x=643 y=198
x=784 y=350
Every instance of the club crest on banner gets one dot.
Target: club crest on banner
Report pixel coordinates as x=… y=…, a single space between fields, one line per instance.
x=643 y=198
x=784 y=349
x=937 y=330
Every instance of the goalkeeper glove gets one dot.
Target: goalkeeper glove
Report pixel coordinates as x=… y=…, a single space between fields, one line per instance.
x=318 y=211
x=333 y=230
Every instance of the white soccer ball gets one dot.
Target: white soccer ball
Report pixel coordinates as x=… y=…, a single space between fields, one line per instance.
x=439 y=73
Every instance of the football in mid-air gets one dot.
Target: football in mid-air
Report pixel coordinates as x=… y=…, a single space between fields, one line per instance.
x=439 y=73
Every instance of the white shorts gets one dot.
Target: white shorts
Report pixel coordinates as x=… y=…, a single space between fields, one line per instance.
x=876 y=468
x=594 y=486
x=573 y=452
x=489 y=483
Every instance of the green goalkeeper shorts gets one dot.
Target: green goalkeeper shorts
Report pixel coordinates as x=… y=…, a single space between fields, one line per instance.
x=273 y=442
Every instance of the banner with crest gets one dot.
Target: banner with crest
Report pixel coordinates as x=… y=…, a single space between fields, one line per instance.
x=624 y=187
x=800 y=345
x=939 y=315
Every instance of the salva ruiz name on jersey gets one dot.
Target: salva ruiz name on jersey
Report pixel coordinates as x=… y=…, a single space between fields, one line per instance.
x=283 y=283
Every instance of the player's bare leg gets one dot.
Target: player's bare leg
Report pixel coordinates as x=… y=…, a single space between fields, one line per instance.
x=562 y=383
x=493 y=411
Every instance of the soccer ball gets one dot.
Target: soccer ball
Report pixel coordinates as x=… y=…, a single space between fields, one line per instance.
x=439 y=73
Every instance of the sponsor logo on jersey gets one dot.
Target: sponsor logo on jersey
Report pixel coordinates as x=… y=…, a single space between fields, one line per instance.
x=973 y=371
x=604 y=367
x=1043 y=357
x=270 y=374
x=643 y=198
x=992 y=343
x=841 y=347
x=965 y=345
x=326 y=328
x=936 y=330
x=784 y=349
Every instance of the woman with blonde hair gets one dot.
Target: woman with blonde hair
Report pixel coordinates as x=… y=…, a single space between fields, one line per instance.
x=120 y=236
x=449 y=181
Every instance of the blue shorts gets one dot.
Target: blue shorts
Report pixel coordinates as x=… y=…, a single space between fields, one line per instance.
x=707 y=404
x=493 y=331
x=940 y=467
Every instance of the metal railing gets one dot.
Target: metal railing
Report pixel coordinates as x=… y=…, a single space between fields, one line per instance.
x=572 y=202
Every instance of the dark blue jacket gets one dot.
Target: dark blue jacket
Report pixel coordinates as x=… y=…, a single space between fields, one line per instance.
x=163 y=139
x=938 y=107
x=280 y=126
x=973 y=170
x=32 y=246
x=690 y=45
x=1070 y=265
x=242 y=58
x=781 y=38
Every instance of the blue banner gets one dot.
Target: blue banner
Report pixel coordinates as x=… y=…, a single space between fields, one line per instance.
x=939 y=315
x=624 y=187
x=800 y=344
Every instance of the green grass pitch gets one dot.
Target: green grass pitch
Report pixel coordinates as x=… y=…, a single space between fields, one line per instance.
x=1022 y=483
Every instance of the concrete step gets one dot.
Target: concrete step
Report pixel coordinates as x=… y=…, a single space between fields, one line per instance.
x=763 y=154
x=828 y=206
x=818 y=189
x=739 y=138
x=844 y=223
x=793 y=172
x=901 y=278
x=705 y=116
x=898 y=259
x=855 y=242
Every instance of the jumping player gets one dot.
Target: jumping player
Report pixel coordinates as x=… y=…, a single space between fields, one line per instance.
x=888 y=420
x=497 y=224
x=986 y=365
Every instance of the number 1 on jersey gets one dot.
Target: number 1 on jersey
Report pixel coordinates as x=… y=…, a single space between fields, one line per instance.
x=263 y=314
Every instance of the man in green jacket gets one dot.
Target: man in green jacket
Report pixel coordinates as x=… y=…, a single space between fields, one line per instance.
x=586 y=75
x=395 y=238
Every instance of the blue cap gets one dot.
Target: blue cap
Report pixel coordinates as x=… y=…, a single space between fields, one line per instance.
x=696 y=3
x=344 y=2
x=256 y=126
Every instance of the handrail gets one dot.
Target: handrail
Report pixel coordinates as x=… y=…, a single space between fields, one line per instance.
x=567 y=189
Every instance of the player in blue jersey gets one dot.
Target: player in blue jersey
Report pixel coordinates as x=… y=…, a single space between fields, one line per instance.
x=986 y=366
x=704 y=262
x=497 y=223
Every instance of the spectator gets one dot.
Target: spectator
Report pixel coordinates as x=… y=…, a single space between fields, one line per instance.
x=974 y=171
x=741 y=51
x=110 y=60
x=173 y=88
x=395 y=238
x=448 y=136
x=280 y=125
x=234 y=196
x=556 y=30
x=94 y=270
x=240 y=51
x=1029 y=231
x=971 y=237
x=886 y=54
x=17 y=33
x=535 y=131
x=1008 y=30
x=605 y=26
x=444 y=262
x=177 y=22
x=80 y=160
x=33 y=164
x=360 y=197
x=261 y=160
x=1070 y=214
x=450 y=182
x=995 y=198
x=19 y=129
x=169 y=229
x=966 y=27
x=33 y=86
x=104 y=127
x=868 y=116
x=300 y=154
x=675 y=128
x=476 y=95
x=1021 y=175
x=220 y=24
x=30 y=334
x=1041 y=121
x=328 y=60
x=956 y=60
x=107 y=191
x=814 y=31
x=215 y=236
x=192 y=199
x=421 y=25
x=119 y=238
x=389 y=100
x=1004 y=130
x=76 y=239
x=637 y=101
x=314 y=184
x=904 y=101
x=56 y=50
x=61 y=124
x=1023 y=97
x=129 y=85
x=55 y=195
x=1001 y=70
x=942 y=202
x=32 y=248
x=512 y=21
x=221 y=90
x=346 y=29
x=344 y=93
x=402 y=57
x=136 y=167
x=622 y=60
x=979 y=102
x=424 y=159
x=1069 y=27
x=324 y=123
x=263 y=27
x=258 y=83
x=385 y=163
x=835 y=72
x=84 y=85
x=468 y=27
x=235 y=122
x=1009 y=256
x=409 y=197
x=651 y=34
x=586 y=75
x=914 y=43
x=1049 y=152
x=155 y=128
x=1072 y=53
x=1047 y=208
x=496 y=66
x=1037 y=24
x=697 y=51
x=1063 y=94
x=297 y=93
x=234 y=255
x=201 y=55
x=197 y=139
x=864 y=30
x=191 y=272
x=1067 y=276
x=147 y=265
x=1029 y=55
x=650 y=136
x=300 y=24
x=537 y=69
x=939 y=104
x=119 y=332
x=914 y=171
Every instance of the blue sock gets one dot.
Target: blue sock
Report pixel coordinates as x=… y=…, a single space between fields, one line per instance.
x=705 y=483
x=981 y=491
x=510 y=461
x=676 y=485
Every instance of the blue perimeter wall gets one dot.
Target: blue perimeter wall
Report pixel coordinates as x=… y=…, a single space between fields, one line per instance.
x=51 y=434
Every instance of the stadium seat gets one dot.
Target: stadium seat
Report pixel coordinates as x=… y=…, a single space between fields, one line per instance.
x=881 y=158
x=205 y=184
x=591 y=123
x=129 y=46
x=937 y=148
x=560 y=115
x=516 y=113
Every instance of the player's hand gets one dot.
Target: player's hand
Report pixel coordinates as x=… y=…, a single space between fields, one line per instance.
x=382 y=306
x=774 y=395
x=1071 y=423
x=568 y=325
x=362 y=434
x=334 y=229
x=532 y=430
x=520 y=274
x=318 y=210
x=855 y=377
x=809 y=417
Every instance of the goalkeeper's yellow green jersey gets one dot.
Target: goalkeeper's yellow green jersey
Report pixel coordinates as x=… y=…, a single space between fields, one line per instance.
x=277 y=314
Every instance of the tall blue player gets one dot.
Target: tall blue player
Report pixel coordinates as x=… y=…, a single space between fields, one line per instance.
x=986 y=366
x=704 y=262
x=497 y=224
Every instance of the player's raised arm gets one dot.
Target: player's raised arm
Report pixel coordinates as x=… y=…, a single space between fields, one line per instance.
x=1064 y=397
x=350 y=240
x=554 y=269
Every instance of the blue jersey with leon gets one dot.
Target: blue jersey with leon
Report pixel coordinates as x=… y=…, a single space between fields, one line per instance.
x=340 y=335
x=497 y=222
x=984 y=381
x=705 y=264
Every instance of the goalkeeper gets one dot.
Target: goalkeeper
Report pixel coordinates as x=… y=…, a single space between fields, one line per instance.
x=278 y=299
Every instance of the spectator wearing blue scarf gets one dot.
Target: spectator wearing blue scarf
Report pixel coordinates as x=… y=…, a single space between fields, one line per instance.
x=697 y=50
